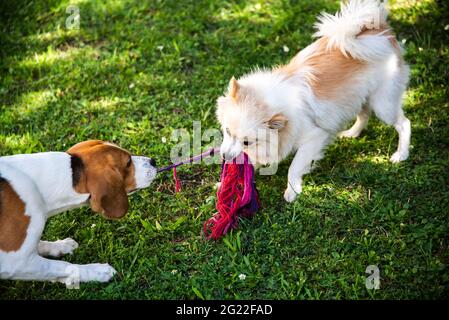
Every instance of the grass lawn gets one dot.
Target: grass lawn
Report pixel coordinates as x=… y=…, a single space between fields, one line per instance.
x=136 y=70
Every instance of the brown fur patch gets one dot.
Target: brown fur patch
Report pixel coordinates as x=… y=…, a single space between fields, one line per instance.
x=331 y=70
x=277 y=122
x=13 y=221
x=106 y=175
x=233 y=88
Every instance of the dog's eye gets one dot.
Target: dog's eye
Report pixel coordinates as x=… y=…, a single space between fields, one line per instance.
x=247 y=143
x=128 y=164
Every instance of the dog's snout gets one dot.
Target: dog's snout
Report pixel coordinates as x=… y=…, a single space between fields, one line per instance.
x=152 y=162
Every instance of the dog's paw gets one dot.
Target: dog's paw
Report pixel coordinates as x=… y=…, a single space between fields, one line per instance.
x=57 y=248
x=348 y=134
x=290 y=194
x=101 y=272
x=66 y=246
x=398 y=157
x=75 y=274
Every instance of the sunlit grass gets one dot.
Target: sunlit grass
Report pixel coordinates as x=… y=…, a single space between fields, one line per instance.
x=137 y=70
x=51 y=56
x=103 y=104
x=403 y=8
x=26 y=143
x=409 y=4
x=54 y=35
x=255 y=11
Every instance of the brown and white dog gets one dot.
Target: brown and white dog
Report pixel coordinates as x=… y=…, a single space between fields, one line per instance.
x=355 y=67
x=34 y=187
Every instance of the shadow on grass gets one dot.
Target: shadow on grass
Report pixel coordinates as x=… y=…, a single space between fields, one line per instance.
x=106 y=56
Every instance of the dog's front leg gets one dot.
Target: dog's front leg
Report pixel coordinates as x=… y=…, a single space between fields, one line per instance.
x=56 y=248
x=310 y=150
x=37 y=268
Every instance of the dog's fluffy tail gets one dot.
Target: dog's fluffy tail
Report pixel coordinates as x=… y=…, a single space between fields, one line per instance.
x=356 y=16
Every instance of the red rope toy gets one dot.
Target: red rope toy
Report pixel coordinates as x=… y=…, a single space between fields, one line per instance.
x=237 y=195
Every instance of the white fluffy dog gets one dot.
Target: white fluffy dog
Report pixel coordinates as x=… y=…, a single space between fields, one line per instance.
x=354 y=67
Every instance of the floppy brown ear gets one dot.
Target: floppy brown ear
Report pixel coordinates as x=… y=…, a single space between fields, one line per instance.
x=107 y=193
x=277 y=122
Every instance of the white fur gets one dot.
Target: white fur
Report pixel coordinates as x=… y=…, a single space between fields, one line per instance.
x=56 y=248
x=43 y=182
x=342 y=28
x=144 y=171
x=312 y=122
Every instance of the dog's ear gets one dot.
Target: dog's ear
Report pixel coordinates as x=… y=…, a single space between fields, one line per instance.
x=277 y=122
x=107 y=193
x=233 y=88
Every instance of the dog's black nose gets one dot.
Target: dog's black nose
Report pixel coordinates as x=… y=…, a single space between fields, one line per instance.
x=152 y=162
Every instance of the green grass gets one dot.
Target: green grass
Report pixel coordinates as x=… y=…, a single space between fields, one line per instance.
x=59 y=87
